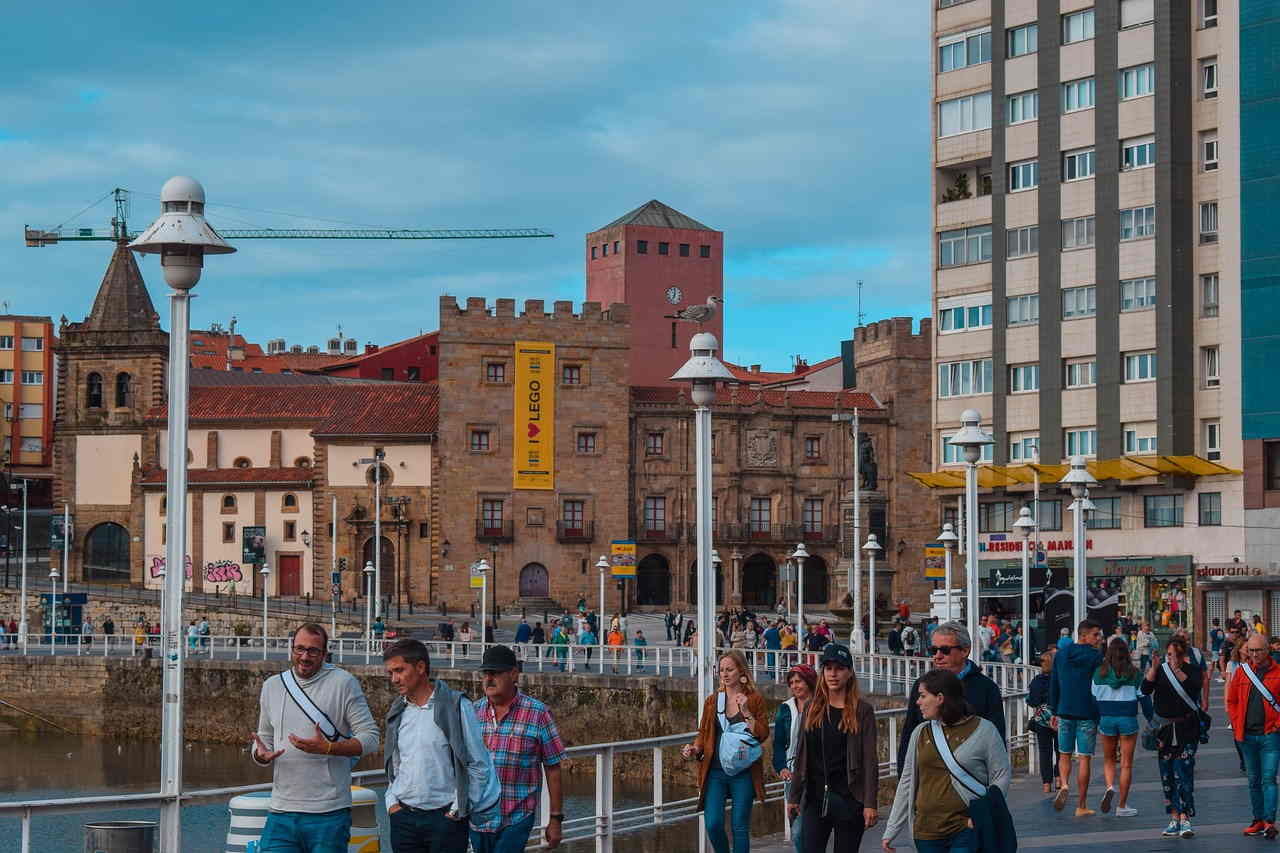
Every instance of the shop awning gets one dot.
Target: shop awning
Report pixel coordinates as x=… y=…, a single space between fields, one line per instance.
x=1121 y=468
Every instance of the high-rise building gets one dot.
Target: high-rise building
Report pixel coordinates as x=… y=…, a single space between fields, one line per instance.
x=1104 y=179
x=657 y=260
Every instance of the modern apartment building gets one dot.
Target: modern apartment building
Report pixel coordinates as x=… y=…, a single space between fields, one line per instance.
x=1089 y=181
x=26 y=393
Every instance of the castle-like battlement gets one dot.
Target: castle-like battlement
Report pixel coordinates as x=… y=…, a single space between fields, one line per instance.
x=894 y=338
x=477 y=307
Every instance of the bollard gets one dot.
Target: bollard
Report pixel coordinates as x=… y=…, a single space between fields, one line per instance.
x=120 y=836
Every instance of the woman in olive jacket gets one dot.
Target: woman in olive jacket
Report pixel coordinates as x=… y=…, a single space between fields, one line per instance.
x=836 y=759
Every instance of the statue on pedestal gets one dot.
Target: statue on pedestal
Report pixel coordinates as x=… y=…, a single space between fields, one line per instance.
x=867 y=463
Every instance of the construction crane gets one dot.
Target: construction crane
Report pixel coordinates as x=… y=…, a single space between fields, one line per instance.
x=119 y=231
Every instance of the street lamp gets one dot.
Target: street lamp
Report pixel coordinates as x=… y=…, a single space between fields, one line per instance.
x=971 y=440
x=948 y=538
x=22 y=617
x=872 y=548
x=53 y=611
x=603 y=565
x=717 y=575
x=800 y=555
x=265 y=573
x=703 y=371
x=1079 y=479
x=376 y=462
x=1026 y=525
x=182 y=238
x=368 y=607
x=482 y=569
x=853 y=580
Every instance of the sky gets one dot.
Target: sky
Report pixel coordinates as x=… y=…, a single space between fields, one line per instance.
x=799 y=128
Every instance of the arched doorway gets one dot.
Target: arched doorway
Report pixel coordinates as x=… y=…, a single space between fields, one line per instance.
x=653 y=581
x=693 y=585
x=106 y=554
x=534 y=581
x=815 y=580
x=759 y=581
x=387 y=570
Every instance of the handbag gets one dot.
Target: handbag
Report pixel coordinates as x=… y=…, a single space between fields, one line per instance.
x=738 y=748
x=834 y=805
x=1202 y=716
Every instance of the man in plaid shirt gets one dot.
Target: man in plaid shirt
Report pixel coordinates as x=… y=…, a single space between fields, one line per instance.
x=523 y=739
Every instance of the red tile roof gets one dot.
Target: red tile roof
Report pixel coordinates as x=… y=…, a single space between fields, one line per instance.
x=219 y=476
x=767 y=377
x=364 y=408
x=843 y=400
x=354 y=360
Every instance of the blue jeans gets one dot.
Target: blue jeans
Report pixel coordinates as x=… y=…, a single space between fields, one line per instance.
x=738 y=788
x=1077 y=736
x=420 y=831
x=509 y=839
x=303 y=832
x=1261 y=755
x=961 y=842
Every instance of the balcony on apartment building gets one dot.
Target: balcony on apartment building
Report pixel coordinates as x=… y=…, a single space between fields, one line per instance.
x=495 y=530
x=964 y=195
x=658 y=532
x=575 y=532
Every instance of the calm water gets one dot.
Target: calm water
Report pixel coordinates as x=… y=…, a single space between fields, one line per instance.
x=51 y=766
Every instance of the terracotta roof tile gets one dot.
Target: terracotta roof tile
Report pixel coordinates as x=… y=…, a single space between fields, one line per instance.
x=843 y=400
x=205 y=476
x=354 y=360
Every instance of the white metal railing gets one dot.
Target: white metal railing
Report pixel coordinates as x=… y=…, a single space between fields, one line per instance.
x=605 y=821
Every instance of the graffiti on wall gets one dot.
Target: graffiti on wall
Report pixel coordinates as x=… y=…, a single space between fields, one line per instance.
x=157 y=567
x=222 y=571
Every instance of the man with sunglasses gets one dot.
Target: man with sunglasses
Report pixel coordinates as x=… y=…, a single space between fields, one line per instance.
x=312 y=721
x=950 y=650
x=1255 y=723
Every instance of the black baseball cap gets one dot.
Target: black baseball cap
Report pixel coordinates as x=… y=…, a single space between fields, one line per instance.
x=837 y=654
x=499 y=659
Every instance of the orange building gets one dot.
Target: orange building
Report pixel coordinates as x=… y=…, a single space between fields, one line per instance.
x=27 y=389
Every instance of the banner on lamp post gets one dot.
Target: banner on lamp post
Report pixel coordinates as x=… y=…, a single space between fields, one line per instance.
x=622 y=557
x=533 y=466
x=935 y=561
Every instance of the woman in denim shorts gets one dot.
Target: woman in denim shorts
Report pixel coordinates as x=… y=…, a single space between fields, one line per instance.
x=1115 y=689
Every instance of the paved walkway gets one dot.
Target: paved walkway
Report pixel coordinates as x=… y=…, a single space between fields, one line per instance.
x=1222 y=808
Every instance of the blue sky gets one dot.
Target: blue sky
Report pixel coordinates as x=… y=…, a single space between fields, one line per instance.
x=800 y=128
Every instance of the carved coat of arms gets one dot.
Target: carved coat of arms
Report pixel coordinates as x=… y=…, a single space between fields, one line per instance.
x=762 y=447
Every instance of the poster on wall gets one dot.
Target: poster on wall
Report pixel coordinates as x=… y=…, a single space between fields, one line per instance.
x=254 y=545
x=535 y=408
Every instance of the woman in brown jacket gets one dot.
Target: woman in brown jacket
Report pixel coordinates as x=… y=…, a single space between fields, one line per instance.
x=742 y=705
x=836 y=779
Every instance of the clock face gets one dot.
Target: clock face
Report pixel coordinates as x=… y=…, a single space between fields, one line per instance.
x=674 y=295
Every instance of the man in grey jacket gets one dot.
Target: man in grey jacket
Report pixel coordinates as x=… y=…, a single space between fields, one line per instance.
x=313 y=721
x=439 y=772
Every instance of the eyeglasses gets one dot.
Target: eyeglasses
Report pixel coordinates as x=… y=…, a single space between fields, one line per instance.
x=307 y=651
x=1257 y=651
x=943 y=650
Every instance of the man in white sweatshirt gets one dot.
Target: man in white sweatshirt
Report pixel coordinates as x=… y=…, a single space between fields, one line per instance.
x=313 y=722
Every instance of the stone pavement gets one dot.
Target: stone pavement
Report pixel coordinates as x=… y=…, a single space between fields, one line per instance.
x=1222 y=808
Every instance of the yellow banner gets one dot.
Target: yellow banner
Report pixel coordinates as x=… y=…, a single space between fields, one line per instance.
x=935 y=561
x=622 y=555
x=534 y=466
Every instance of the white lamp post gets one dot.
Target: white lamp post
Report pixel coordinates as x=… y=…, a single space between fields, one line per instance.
x=1079 y=479
x=948 y=538
x=602 y=565
x=368 y=607
x=483 y=571
x=872 y=548
x=53 y=611
x=265 y=574
x=182 y=238
x=22 y=609
x=703 y=370
x=853 y=580
x=799 y=555
x=1025 y=525
x=971 y=440
x=66 y=545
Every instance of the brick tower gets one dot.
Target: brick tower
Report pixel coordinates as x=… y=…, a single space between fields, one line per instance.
x=656 y=260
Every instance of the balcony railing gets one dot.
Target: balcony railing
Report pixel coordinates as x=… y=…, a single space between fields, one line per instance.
x=571 y=532
x=668 y=534
x=494 y=530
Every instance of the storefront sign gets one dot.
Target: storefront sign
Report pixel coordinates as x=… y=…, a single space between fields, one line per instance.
x=1138 y=566
x=1231 y=571
x=1001 y=542
x=622 y=556
x=535 y=410
x=935 y=561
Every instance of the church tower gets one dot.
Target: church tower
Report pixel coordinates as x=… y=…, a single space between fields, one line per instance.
x=111 y=371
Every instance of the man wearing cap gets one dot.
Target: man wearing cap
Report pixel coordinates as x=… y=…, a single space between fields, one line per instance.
x=522 y=737
x=439 y=773
x=950 y=651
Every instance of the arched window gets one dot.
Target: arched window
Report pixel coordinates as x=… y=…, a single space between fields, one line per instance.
x=123 y=381
x=302 y=462
x=289 y=503
x=242 y=462
x=93 y=397
x=229 y=502
x=386 y=476
x=106 y=553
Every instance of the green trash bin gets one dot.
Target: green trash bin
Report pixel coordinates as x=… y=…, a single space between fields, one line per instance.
x=120 y=836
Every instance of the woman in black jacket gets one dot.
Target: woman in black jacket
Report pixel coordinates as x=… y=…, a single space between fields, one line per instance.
x=1178 y=734
x=1046 y=737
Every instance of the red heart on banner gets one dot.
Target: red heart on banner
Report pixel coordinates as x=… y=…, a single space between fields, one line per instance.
x=533 y=430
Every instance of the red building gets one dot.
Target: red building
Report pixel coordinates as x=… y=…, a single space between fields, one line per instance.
x=412 y=360
x=656 y=260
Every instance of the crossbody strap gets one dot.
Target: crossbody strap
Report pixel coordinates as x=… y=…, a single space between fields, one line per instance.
x=724 y=721
x=1258 y=685
x=1177 y=687
x=311 y=709
x=964 y=777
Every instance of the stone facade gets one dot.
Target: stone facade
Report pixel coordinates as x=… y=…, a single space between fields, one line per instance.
x=534 y=546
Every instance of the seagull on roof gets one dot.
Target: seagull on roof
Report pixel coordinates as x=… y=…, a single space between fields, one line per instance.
x=699 y=314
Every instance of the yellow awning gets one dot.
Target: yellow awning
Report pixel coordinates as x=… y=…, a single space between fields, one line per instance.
x=1122 y=468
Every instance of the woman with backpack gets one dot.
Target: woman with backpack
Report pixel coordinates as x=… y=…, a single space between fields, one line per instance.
x=737 y=709
x=931 y=802
x=1175 y=690
x=836 y=777
x=1115 y=689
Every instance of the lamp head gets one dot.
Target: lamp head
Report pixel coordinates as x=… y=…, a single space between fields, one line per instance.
x=602 y=564
x=872 y=546
x=1079 y=478
x=181 y=236
x=1025 y=523
x=53 y=573
x=483 y=566
x=703 y=369
x=265 y=570
x=715 y=558
x=368 y=567
x=971 y=439
x=948 y=536
x=800 y=553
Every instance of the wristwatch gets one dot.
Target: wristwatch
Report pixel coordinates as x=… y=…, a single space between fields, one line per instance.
x=557 y=816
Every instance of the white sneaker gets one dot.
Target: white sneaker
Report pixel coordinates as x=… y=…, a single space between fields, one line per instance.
x=1171 y=831
x=1126 y=811
x=1186 y=830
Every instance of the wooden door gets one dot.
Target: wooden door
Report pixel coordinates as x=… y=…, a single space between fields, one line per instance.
x=290 y=575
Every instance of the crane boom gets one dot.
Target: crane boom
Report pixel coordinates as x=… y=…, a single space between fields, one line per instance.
x=49 y=237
